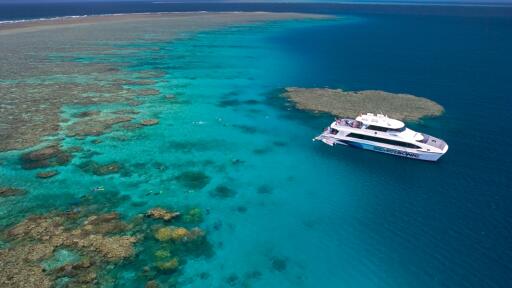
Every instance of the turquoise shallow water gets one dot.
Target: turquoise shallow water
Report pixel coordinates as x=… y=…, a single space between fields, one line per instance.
x=298 y=213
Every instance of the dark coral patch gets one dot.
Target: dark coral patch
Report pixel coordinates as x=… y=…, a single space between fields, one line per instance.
x=204 y=275
x=10 y=191
x=247 y=128
x=223 y=191
x=87 y=113
x=264 y=189
x=44 y=153
x=228 y=103
x=251 y=102
x=98 y=169
x=193 y=145
x=48 y=156
x=279 y=264
x=194 y=180
x=279 y=143
x=263 y=150
x=130 y=126
x=47 y=174
x=159 y=166
x=232 y=279
x=149 y=122
x=241 y=209
x=237 y=161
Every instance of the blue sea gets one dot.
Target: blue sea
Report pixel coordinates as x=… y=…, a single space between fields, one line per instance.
x=301 y=213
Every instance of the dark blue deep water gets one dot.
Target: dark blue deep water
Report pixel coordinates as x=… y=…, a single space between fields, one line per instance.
x=19 y=11
x=450 y=221
x=384 y=221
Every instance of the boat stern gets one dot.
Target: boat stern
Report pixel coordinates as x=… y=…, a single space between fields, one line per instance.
x=324 y=137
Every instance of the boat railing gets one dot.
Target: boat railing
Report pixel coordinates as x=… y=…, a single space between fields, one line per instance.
x=349 y=123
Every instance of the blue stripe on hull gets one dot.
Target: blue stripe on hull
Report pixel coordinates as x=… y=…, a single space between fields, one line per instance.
x=384 y=150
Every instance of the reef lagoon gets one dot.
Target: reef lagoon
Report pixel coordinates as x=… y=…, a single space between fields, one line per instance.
x=157 y=151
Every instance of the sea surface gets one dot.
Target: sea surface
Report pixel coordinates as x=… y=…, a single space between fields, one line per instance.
x=300 y=213
x=26 y=11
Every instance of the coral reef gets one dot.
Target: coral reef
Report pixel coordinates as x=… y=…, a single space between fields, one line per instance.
x=147 y=92
x=95 y=126
x=160 y=213
x=152 y=284
x=105 y=224
x=86 y=114
x=19 y=266
x=48 y=156
x=194 y=215
x=100 y=169
x=55 y=83
x=47 y=174
x=352 y=103
x=60 y=258
x=112 y=248
x=168 y=233
x=37 y=237
x=52 y=230
x=178 y=234
x=28 y=72
x=169 y=265
x=10 y=191
x=162 y=254
x=149 y=122
x=126 y=112
x=76 y=247
x=134 y=82
x=43 y=153
x=129 y=126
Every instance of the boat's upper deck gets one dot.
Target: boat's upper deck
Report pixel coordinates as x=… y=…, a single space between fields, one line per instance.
x=349 y=123
x=380 y=120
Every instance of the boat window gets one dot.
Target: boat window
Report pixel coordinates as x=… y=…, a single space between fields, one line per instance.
x=377 y=128
x=382 y=140
x=334 y=131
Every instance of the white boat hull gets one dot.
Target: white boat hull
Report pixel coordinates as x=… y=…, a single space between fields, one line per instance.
x=385 y=135
x=408 y=153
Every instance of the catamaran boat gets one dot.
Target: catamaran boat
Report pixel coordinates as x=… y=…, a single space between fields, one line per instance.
x=382 y=134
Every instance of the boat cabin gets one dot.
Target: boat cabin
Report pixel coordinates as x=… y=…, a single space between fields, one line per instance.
x=381 y=123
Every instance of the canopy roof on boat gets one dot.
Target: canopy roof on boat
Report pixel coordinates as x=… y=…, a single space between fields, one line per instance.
x=380 y=120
